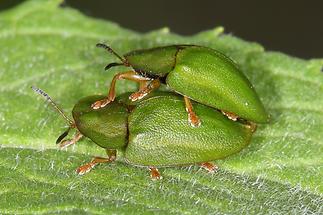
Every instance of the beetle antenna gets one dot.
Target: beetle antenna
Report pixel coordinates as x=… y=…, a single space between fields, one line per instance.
x=112 y=65
x=109 y=49
x=62 y=136
x=49 y=99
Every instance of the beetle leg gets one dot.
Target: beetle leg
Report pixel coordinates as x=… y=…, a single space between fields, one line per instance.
x=144 y=90
x=97 y=160
x=143 y=85
x=252 y=126
x=130 y=75
x=65 y=143
x=192 y=118
x=154 y=173
x=230 y=115
x=210 y=167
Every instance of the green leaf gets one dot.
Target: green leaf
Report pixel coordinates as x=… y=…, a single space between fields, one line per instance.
x=53 y=48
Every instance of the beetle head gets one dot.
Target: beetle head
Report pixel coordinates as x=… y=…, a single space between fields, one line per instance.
x=106 y=126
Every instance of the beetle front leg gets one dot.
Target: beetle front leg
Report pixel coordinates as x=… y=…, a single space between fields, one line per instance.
x=154 y=173
x=192 y=118
x=65 y=143
x=112 y=154
x=130 y=75
x=145 y=89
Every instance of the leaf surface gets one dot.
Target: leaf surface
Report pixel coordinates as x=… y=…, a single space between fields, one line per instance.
x=53 y=48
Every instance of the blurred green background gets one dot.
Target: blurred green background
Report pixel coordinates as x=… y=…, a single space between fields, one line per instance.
x=293 y=27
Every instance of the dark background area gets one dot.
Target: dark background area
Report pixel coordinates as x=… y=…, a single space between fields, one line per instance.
x=294 y=27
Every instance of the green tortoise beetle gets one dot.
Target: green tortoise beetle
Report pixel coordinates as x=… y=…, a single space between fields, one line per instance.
x=153 y=132
x=198 y=73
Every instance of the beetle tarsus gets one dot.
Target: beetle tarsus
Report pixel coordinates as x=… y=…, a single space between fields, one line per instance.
x=210 y=167
x=66 y=143
x=145 y=89
x=85 y=168
x=101 y=103
x=230 y=115
x=193 y=120
x=154 y=173
x=137 y=95
x=97 y=160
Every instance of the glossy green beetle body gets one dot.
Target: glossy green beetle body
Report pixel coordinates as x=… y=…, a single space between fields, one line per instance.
x=202 y=74
x=155 y=132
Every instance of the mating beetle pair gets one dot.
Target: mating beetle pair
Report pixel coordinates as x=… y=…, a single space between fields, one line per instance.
x=152 y=130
